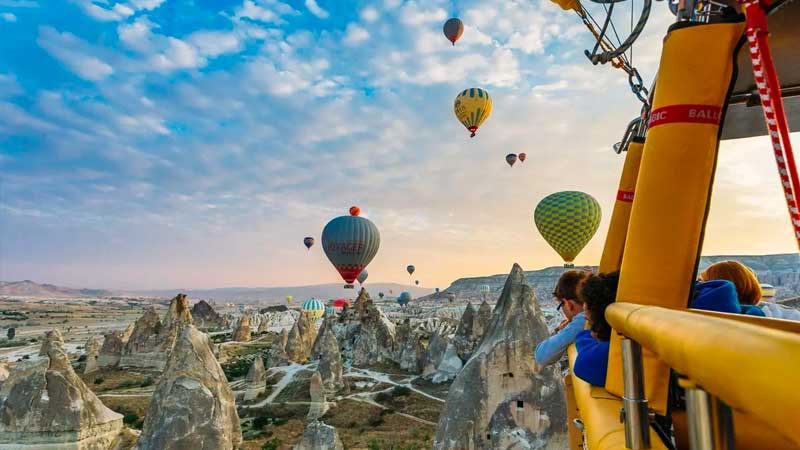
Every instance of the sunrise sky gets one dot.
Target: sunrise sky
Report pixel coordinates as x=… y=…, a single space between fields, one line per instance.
x=179 y=143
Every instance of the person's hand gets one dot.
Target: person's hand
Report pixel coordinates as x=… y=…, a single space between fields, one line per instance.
x=561 y=325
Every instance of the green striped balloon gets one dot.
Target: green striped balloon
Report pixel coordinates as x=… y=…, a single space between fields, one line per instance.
x=567 y=220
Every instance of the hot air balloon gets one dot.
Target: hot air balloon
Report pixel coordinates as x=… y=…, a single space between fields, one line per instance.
x=511 y=158
x=416 y=282
x=350 y=242
x=355 y=211
x=330 y=311
x=313 y=308
x=485 y=289
x=522 y=157
x=453 y=29
x=288 y=299
x=437 y=291
x=567 y=221
x=404 y=298
x=362 y=277
x=410 y=269
x=308 y=241
x=472 y=107
x=341 y=303
x=380 y=294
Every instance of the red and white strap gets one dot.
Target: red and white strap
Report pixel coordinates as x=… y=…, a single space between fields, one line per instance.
x=766 y=78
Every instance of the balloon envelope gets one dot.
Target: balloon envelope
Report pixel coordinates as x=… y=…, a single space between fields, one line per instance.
x=511 y=158
x=404 y=298
x=362 y=277
x=472 y=108
x=313 y=308
x=522 y=157
x=380 y=294
x=453 y=29
x=416 y=282
x=355 y=211
x=350 y=243
x=485 y=289
x=340 y=303
x=567 y=220
x=308 y=241
x=289 y=299
x=410 y=270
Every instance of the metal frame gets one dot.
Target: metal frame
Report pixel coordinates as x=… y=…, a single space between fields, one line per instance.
x=635 y=414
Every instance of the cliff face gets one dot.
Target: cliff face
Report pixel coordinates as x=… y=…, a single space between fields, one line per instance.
x=501 y=399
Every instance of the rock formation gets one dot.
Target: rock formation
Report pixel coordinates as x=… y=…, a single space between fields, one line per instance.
x=205 y=318
x=243 y=330
x=326 y=350
x=271 y=319
x=44 y=404
x=441 y=361
x=92 y=351
x=465 y=336
x=371 y=336
x=3 y=371
x=192 y=407
x=483 y=319
x=256 y=379
x=319 y=436
x=113 y=345
x=319 y=405
x=410 y=351
x=301 y=339
x=152 y=339
x=501 y=399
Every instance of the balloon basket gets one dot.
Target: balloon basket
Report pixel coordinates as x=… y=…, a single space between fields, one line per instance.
x=349 y=286
x=569 y=265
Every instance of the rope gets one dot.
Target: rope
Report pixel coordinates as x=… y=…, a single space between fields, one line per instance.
x=616 y=62
x=766 y=78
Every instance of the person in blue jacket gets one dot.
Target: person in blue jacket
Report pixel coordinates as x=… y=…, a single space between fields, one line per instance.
x=597 y=292
x=716 y=295
x=551 y=350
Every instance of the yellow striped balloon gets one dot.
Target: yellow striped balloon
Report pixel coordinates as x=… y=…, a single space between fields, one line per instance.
x=472 y=108
x=567 y=221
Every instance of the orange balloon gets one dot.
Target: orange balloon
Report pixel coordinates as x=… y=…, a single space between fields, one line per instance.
x=522 y=157
x=355 y=210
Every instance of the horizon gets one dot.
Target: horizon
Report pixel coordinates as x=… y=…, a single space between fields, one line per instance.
x=143 y=147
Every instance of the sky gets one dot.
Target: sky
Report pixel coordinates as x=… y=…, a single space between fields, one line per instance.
x=194 y=143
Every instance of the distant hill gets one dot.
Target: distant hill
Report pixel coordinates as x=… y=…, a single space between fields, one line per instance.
x=278 y=294
x=28 y=288
x=781 y=271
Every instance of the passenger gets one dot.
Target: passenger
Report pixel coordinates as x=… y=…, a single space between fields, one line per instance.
x=716 y=295
x=748 y=288
x=552 y=349
x=597 y=292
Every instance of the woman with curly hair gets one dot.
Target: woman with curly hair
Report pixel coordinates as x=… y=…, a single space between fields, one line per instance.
x=596 y=292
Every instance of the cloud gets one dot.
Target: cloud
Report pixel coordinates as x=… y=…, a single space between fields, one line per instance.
x=117 y=12
x=215 y=43
x=73 y=53
x=355 y=35
x=9 y=86
x=315 y=9
x=8 y=17
x=369 y=14
x=269 y=11
x=19 y=3
x=412 y=14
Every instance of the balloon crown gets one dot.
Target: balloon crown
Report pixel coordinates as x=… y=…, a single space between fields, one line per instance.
x=355 y=210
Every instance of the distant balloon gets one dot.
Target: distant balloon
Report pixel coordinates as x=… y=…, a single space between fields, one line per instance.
x=437 y=290
x=453 y=29
x=308 y=242
x=330 y=311
x=380 y=294
x=511 y=158
x=485 y=289
x=522 y=157
x=410 y=269
x=288 y=299
x=340 y=303
x=416 y=282
x=567 y=221
x=313 y=308
x=350 y=242
x=362 y=277
x=472 y=108
x=404 y=298
x=355 y=211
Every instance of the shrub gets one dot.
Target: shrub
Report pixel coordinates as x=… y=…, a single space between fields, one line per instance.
x=260 y=422
x=375 y=444
x=401 y=391
x=99 y=380
x=272 y=444
x=375 y=421
x=383 y=397
x=132 y=420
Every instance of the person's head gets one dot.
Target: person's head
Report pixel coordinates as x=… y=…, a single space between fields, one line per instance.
x=566 y=292
x=597 y=292
x=747 y=286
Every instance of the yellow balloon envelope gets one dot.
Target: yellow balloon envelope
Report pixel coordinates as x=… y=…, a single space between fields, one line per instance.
x=567 y=221
x=472 y=108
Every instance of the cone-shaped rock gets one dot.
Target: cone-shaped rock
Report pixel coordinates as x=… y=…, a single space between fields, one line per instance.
x=373 y=337
x=441 y=362
x=193 y=407
x=326 y=349
x=152 y=339
x=242 y=331
x=301 y=339
x=44 y=404
x=92 y=349
x=318 y=406
x=113 y=346
x=256 y=379
x=206 y=318
x=464 y=339
x=482 y=320
x=319 y=436
x=500 y=399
